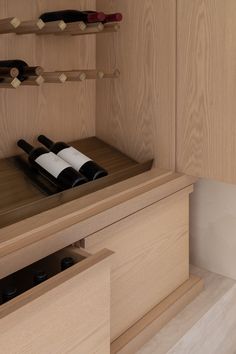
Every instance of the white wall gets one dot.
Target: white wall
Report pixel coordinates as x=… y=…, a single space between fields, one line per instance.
x=213 y=227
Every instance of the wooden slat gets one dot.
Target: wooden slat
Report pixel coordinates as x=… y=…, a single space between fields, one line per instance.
x=27 y=27
x=9 y=25
x=52 y=28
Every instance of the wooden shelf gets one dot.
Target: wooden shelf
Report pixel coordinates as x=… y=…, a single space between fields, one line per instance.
x=24 y=193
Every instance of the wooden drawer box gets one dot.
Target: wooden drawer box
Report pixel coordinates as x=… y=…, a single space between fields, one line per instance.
x=151 y=258
x=68 y=313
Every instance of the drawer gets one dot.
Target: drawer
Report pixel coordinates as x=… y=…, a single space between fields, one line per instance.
x=68 y=313
x=151 y=258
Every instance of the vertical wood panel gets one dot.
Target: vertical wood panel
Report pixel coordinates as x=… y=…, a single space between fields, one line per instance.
x=206 y=144
x=62 y=111
x=151 y=258
x=136 y=113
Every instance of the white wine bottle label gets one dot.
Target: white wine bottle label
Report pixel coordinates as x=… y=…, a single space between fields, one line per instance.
x=52 y=163
x=75 y=158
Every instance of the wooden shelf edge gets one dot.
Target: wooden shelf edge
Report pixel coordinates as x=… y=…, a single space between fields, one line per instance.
x=154 y=185
x=143 y=330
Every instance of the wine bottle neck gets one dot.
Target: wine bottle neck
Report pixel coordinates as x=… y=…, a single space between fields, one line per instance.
x=117 y=17
x=25 y=146
x=96 y=17
x=45 y=141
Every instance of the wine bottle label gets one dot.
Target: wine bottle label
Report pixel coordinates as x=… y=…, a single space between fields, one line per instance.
x=52 y=163
x=73 y=157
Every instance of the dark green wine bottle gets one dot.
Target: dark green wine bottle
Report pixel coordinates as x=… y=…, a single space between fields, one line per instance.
x=67 y=262
x=9 y=293
x=39 y=277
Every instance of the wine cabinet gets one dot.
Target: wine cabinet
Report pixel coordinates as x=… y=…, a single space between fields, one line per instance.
x=109 y=91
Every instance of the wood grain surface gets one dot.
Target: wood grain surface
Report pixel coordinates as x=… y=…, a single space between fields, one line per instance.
x=148 y=326
x=25 y=193
x=151 y=258
x=136 y=112
x=105 y=206
x=206 y=116
x=62 y=111
x=69 y=313
x=23 y=243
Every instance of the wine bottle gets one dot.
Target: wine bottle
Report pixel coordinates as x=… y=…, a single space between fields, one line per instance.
x=67 y=262
x=9 y=293
x=24 y=69
x=75 y=158
x=116 y=17
x=52 y=166
x=40 y=277
x=8 y=72
x=73 y=16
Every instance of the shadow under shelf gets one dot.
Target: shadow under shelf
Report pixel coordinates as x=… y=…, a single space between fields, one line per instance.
x=24 y=193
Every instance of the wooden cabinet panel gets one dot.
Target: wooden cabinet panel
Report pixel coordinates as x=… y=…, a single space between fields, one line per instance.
x=136 y=112
x=151 y=258
x=206 y=86
x=69 y=313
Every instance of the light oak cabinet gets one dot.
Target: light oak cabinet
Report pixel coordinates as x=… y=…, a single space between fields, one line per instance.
x=174 y=108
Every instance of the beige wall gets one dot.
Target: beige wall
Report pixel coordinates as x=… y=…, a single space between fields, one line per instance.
x=213 y=227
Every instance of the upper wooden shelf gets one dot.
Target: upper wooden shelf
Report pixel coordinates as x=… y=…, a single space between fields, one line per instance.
x=38 y=27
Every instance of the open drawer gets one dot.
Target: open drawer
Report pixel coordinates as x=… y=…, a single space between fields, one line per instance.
x=68 y=313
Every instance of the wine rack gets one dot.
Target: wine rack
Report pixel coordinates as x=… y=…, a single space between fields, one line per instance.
x=39 y=27
x=79 y=75
x=60 y=77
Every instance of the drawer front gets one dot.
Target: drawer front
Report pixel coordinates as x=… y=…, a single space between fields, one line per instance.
x=71 y=316
x=151 y=258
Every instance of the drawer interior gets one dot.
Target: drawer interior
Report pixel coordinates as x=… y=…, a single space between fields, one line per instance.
x=23 y=279
x=24 y=193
